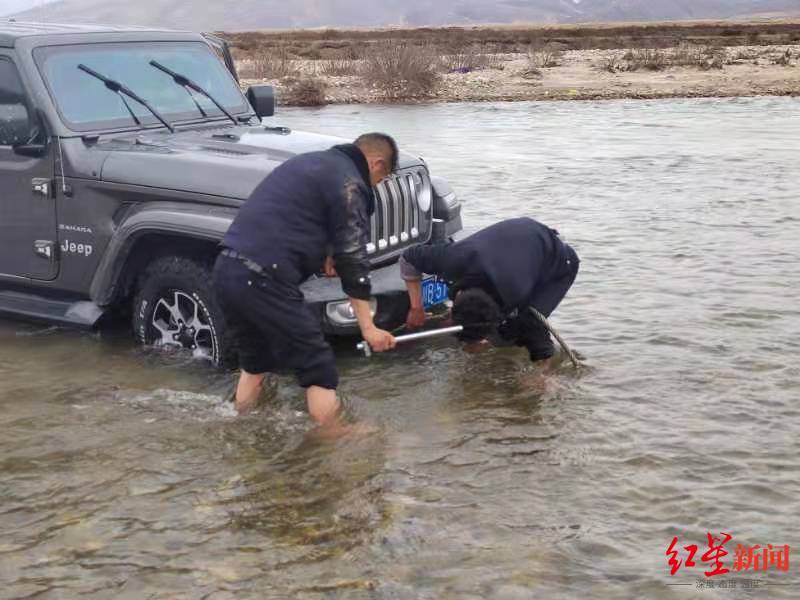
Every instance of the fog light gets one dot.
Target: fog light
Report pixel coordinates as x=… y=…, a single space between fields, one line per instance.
x=341 y=313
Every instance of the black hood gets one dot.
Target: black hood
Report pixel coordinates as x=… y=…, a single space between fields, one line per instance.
x=224 y=161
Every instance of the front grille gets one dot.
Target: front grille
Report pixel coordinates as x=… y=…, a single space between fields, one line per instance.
x=402 y=214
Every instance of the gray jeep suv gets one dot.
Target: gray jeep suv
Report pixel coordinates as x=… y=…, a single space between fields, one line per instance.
x=124 y=155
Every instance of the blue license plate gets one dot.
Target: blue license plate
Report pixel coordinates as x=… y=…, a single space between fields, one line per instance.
x=434 y=291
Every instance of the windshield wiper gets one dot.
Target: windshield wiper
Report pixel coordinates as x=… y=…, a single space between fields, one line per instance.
x=189 y=84
x=116 y=86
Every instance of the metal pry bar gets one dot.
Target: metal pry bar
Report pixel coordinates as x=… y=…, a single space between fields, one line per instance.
x=560 y=340
x=364 y=346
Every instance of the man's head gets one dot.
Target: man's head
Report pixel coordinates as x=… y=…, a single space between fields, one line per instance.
x=380 y=151
x=477 y=312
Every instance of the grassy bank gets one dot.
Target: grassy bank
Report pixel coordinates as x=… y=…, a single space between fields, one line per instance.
x=647 y=60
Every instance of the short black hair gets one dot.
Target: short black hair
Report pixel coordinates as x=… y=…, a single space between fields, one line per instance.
x=381 y=141
x=476 y=310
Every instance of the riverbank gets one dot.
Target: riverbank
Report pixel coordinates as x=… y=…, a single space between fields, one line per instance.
x=578 y=75
x=508 y=64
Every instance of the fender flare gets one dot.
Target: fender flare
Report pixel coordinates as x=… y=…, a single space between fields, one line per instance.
x=190 y=220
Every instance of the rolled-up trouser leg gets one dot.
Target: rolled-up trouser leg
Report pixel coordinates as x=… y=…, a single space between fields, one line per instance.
x=533 y=334
x=273 y=329
x=320 y=371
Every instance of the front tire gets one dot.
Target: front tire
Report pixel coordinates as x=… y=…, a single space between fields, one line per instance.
x=175 y=309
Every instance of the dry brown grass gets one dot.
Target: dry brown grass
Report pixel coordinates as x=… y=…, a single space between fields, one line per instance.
x=274 y=63
x=702 y=57
x=645 y=59
x=784 y=59
x=337 y=67
x=612 y=63
x=467 y=58
x=517 y=38
x=344 y=50
x=746 y=55
x=307 y=91
x=543 y=57
x=532 y=73
x=399 y=64
x=308 y=52
x=650 y=59
x=401 y=70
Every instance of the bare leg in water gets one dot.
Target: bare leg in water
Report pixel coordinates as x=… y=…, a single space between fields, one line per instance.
x=323 y=407
x=248 y=391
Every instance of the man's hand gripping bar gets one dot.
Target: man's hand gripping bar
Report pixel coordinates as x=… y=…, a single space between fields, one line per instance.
x=414 y=336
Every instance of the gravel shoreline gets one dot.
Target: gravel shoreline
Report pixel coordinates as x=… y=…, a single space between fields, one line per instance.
x=591 y=74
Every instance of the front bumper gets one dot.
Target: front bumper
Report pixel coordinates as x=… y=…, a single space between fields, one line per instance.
x=388 y=292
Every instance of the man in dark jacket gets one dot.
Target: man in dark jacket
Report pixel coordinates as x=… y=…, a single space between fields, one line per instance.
x=495 y=275
x=312 y=212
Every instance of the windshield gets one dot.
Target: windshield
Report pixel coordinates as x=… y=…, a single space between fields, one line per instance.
x=86 y=104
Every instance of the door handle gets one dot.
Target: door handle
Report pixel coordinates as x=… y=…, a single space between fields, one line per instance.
x=45 y=249
x=41 y=186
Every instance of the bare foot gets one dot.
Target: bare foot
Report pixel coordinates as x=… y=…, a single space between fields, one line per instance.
x=244 y=408
x=338 y=429
x=538 y=377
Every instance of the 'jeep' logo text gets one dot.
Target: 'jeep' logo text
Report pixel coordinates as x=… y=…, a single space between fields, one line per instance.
x=75 y=248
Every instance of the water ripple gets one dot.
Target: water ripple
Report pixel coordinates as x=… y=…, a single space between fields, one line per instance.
x=125 y=474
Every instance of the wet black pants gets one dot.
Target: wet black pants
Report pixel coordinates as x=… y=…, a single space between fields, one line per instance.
x=525 y=329
x=272 y=328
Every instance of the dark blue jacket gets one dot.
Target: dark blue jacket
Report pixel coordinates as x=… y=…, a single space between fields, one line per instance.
x=311 y=205
x=509 y=259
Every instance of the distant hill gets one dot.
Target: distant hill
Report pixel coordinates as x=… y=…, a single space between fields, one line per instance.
x=243 y=15
x=9 y=7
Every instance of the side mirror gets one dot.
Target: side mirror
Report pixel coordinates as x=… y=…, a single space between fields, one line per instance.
x=30 y=138
x=262 y=99
x=30 y=150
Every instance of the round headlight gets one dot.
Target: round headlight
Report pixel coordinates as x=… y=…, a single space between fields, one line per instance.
x=424 y=194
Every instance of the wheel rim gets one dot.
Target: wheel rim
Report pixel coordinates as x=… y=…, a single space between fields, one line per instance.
x=179 y=321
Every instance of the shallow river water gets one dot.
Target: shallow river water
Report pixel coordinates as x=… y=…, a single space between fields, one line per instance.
x=122 y=475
